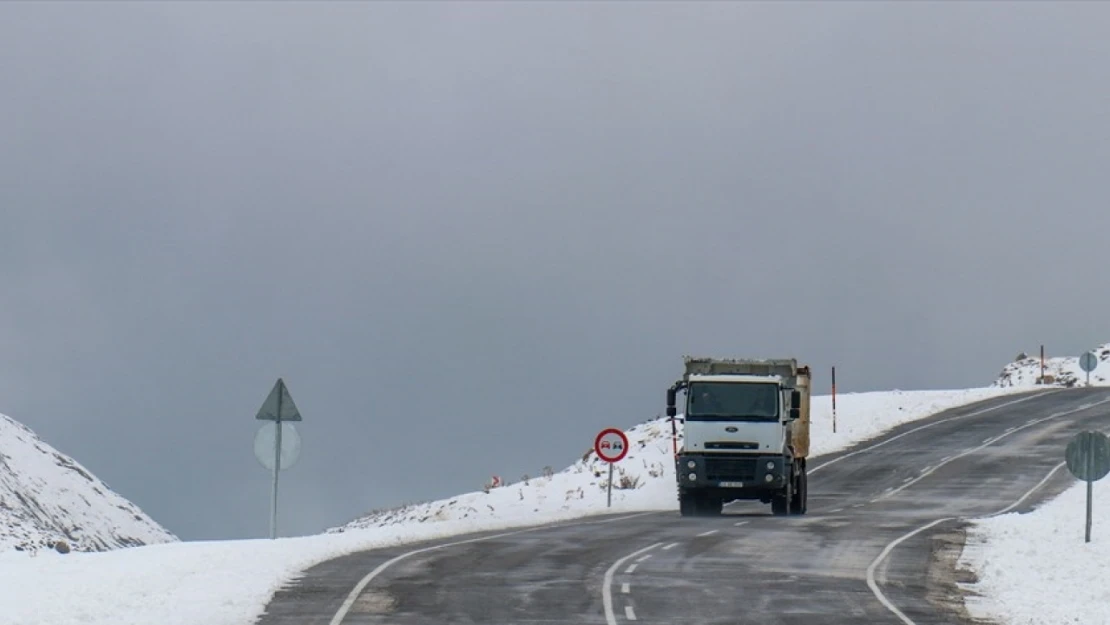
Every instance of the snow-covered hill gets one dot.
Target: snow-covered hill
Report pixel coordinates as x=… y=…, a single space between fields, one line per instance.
x=1064 y=371
x=46 y=497
x=645 y=479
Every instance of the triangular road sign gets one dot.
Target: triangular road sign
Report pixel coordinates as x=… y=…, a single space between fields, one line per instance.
x=279 y=398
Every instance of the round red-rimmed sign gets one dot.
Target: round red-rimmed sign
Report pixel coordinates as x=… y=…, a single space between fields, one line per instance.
x=611 y=445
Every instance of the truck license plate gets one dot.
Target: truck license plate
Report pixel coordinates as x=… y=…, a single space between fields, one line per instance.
x=732 y=485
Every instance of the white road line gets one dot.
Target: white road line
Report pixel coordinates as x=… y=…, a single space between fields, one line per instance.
x=740 y=523
x=1031 y=490
x=341 y=613
x=709 y=533
x=631 y=568
x=874 y=586
x=629 y=613
x=882 y=556
x=620 y=518
x=626 y=588
x=989 y=441
x=929 y=425
x=837 y=510
x=643 y=557
x=607 y=584
x=670 y=546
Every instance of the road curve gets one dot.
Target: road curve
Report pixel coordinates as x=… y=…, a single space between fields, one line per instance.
x=878 y=544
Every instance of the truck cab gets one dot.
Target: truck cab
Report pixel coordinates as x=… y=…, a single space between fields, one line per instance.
x=746 y=434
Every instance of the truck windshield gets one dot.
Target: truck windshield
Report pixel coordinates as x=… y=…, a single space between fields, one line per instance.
x=736 y=401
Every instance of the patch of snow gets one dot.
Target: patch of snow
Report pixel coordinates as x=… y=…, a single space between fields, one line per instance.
x=230 y=582
x=1061 y=371
x=1036 y=569
x=47 y=497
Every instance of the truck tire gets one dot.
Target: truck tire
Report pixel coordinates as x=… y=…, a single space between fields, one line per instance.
x=687 y=505
x=712 y=507
x=800 y=501
x=780 y=502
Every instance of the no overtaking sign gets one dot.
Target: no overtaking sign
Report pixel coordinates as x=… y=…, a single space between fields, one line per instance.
x=611 y=445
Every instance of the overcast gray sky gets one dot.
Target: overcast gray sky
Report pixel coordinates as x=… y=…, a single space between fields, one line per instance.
x=471 y=235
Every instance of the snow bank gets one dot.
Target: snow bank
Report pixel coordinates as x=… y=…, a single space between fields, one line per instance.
x=230 y=582
x=1058 y=371
x=47 y=497
x=1036 y=569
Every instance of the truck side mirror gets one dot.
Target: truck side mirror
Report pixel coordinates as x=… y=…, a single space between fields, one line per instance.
x=795 y=413
x=795 y=398
x=671 y=410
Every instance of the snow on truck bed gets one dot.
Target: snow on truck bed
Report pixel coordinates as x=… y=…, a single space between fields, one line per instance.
x=230 y=582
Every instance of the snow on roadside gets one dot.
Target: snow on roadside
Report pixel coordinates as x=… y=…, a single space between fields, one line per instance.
x=644 y=479
x=1058 y=370
x=230 y=582
x=1036 y=569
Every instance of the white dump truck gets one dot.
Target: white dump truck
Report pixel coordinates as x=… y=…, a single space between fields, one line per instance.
x=746 y=434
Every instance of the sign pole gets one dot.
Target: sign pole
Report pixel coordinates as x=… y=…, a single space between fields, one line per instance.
x=1090 y=448
x=277 y=468
x=609 y=502
x=834 y=398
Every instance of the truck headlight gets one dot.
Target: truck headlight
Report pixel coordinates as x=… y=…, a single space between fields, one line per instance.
x=768 y=478
x=770 y=466
x=692 y=476
x=691 y=464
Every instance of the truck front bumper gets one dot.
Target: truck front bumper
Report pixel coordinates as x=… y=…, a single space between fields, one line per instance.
x=732 y=471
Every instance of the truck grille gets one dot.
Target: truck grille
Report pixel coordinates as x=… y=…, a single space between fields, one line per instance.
x=731 y=445
x=732 y=469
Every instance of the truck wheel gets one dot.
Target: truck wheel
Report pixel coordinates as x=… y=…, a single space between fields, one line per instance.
x=780 y=502
x=712 y=507
x=687 y=505
x=799 y=503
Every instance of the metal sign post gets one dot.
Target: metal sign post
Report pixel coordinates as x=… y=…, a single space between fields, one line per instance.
x=611 y=445
x=1088 y=459
x=1088 y=362
x=278 y=408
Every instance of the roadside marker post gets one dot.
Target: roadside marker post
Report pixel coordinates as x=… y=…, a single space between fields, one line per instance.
x=611 y=445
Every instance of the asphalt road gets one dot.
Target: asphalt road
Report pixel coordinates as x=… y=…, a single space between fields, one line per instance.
x=878 y=545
